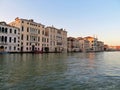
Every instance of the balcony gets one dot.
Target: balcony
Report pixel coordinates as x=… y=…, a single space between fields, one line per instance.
x=3 y=43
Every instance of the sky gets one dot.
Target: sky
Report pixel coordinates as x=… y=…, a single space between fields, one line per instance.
x=80 y=18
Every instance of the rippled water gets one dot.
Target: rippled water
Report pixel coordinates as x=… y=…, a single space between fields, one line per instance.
x=72 y=71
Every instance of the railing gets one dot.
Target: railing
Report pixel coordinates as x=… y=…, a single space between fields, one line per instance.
x=3 y=43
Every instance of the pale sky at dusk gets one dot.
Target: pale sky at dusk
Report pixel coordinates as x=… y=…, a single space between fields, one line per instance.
x=79 y=17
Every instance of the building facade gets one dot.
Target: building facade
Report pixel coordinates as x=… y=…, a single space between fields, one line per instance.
x=36 y=37
x=32 y=35
x=9 y=38
x=92 y=43
x=83 y=44
x=73 y=44
x=23 y=35
x=57 y=39
x=100 y=46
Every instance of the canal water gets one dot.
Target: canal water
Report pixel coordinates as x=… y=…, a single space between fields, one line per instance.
x=57 y=71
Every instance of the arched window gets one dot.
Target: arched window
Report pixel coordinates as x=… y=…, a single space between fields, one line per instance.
x=10 y=30
x=43 y=32
x=22 y=28
x=5 y=38
x=27 y=37
x=27 y=29
x=14 y=31
x=5 y=30
x=10 y=39
x=2 y=29
x=14 y=48
x=14 y=40
x=1 y=47
x=22 y=37
x=2 y=39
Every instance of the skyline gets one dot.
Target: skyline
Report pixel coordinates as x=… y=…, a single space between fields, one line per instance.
x=80 y=18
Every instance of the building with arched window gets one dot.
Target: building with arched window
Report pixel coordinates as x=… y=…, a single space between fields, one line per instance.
x=36 y=37
x=32 y=35
x=9 y=38
x=57 y=39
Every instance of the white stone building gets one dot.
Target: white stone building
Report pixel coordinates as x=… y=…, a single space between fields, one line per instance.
x=32 y=35
x=9 y=38
x=57 y=39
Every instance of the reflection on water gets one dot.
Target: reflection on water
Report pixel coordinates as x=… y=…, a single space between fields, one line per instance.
x=70 y=71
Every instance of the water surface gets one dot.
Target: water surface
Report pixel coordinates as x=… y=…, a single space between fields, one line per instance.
x=70 y=71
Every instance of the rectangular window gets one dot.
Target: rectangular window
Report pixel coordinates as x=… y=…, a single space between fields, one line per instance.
x=5 y=38
x=10 y=30
x=14 y=40
x=43 y=32
x=42 y=39
x=10 y=39
x=38 y=31
x=27 y=44
x=27 y=29
x=22 y=37
x=38 y=39
x=6 y=30
x=14 y=48
x=15 y=32
x=22 y=28
x=27 y=37
x=21 y=43
x=26 y=48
